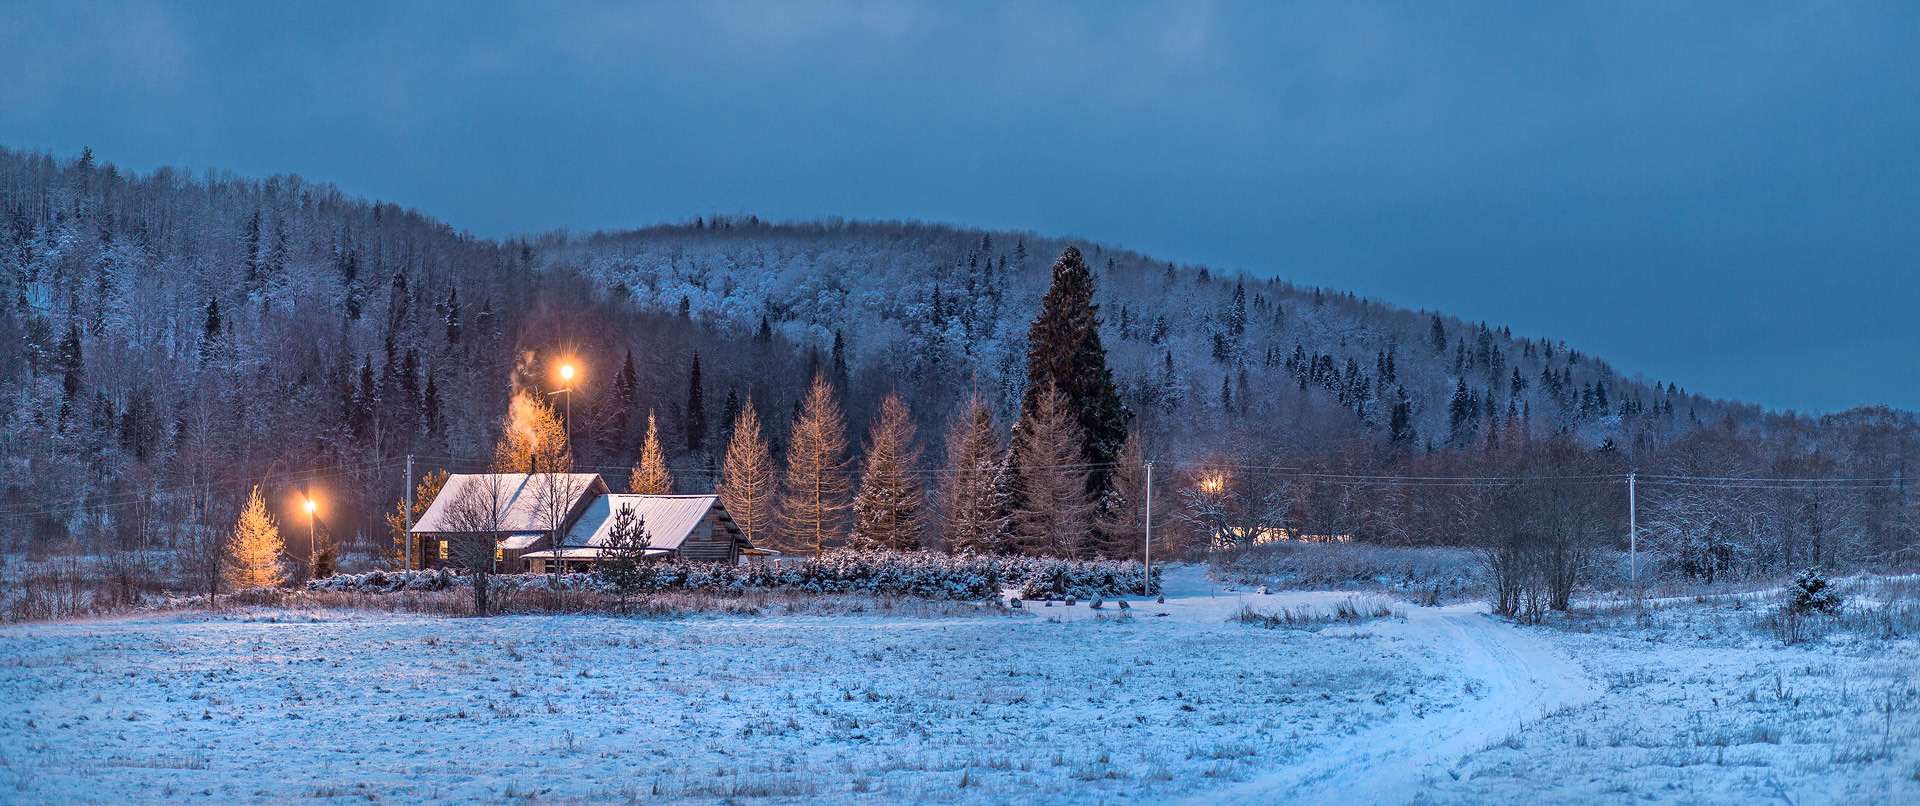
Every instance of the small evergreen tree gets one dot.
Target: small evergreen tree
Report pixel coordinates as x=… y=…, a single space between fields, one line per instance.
x=622 y=558
x=253 y=556
x=650 y=476
x=1811 y=593
x=626 y=386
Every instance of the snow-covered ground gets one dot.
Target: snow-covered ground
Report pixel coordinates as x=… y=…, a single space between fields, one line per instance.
x=1038 y=705
x=1700 y=706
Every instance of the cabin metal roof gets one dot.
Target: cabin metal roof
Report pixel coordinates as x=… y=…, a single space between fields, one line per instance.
x=523 y=512
x=669 y=519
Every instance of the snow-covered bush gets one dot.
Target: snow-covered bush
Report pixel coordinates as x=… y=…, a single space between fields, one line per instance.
x=1811 y=593
x=924 y=574
x=435 y=579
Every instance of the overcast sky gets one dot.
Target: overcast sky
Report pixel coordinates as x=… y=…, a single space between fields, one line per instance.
x=1726 y=195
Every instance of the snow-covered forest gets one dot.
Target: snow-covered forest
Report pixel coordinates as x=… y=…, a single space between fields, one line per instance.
x=169 y=340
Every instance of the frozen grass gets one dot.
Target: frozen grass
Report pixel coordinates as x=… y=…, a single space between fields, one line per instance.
x=1434 y=573
x=1352 y=609
x=277 y=704
x=1705 y=703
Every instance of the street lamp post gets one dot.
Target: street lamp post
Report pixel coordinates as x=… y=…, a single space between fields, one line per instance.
x=313 y=546
x=566 y=374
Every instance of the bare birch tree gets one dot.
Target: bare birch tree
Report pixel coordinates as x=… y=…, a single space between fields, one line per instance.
x=476 y=518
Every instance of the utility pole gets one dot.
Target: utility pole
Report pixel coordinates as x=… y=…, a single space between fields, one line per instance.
x=409 y=535
x=1633 y=533
x=1147 y=586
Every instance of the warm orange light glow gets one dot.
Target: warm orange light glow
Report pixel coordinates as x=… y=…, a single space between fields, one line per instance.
x=1212 y=482
x=311 y=506
x=566 y=372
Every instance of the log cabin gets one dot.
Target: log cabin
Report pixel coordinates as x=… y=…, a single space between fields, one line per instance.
x=525 y=521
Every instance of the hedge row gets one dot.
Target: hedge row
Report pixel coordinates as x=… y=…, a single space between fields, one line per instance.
x=925 y=574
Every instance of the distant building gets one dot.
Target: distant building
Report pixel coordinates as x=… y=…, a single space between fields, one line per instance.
x=689 y=527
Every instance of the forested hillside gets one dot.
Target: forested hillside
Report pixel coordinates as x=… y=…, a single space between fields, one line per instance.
x=169 y=340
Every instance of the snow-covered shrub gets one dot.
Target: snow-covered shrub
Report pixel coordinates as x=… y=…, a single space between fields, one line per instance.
x=435 y=579
x=924 y=574
x=1811 y=593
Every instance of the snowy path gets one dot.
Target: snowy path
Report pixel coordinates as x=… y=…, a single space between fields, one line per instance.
x=1517 y=678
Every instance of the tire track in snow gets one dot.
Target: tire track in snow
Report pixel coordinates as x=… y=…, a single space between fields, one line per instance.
x=1520 y=678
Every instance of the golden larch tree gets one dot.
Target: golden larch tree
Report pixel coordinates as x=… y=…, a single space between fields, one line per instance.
x=887 y=512
x=253 y=554
x=1051 y=513
x=650 y=476
x=1120 y=525
x=533 y=440
x=970 y=505
x=747 y=478
x=813 y=503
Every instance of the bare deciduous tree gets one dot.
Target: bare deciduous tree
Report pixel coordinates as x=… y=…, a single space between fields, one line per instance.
x=476 y=518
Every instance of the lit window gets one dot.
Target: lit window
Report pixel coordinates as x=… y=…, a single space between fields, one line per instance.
x=499 y=554
x=443 y=549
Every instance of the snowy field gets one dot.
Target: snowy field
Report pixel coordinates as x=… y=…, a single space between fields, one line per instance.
x=1701 y=705
x=1038 y=705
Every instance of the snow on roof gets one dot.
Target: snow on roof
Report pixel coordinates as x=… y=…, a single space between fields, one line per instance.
x=521 y=540
x=669 y=519
x=581 y=553
x=524 y=512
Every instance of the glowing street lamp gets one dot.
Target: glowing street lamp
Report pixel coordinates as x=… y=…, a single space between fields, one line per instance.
x=313 y=546
x=566 y=374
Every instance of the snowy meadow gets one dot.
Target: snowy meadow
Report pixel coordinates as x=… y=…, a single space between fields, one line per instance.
x=1219 y=694
x=1038 y=704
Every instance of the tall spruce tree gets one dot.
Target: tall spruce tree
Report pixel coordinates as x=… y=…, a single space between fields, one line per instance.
x=813 y=505
x=626 y=388
x=887 y=511
x=747 y=479
x=696 y=409
x=1064 y=352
